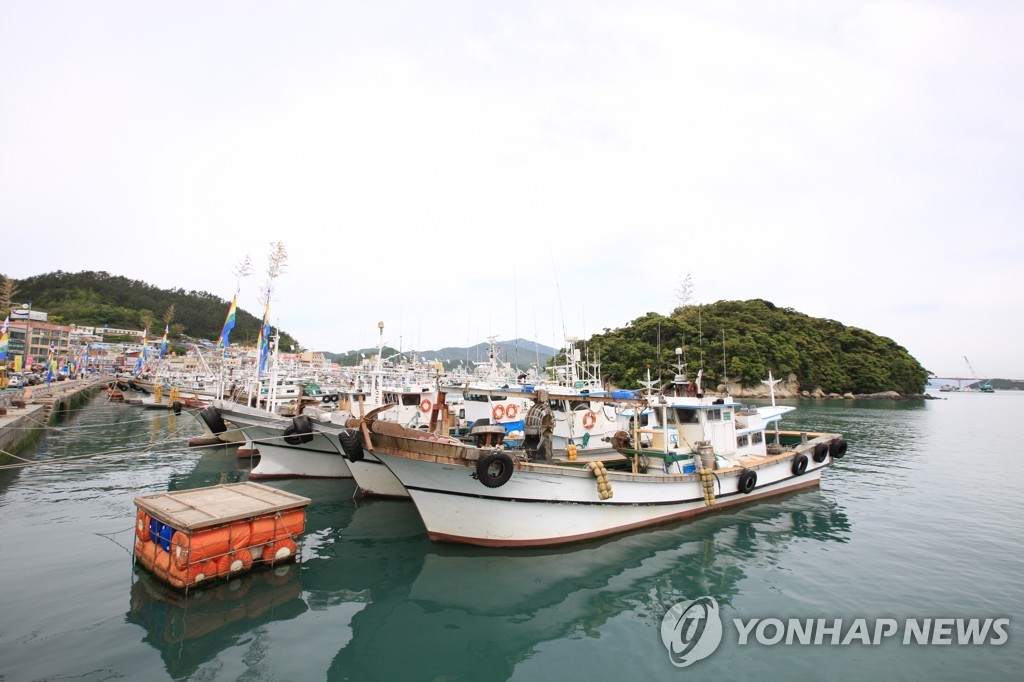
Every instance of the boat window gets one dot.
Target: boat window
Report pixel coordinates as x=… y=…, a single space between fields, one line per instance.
x=410 y=398
x=579 y=405
x=714 y=415
x=756 y=438
x=686 y=416
x=498 y=398
x=644 y=420
x=474 y=397
x=742 y=441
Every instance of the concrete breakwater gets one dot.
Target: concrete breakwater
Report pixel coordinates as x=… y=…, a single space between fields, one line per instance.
x=25 y=412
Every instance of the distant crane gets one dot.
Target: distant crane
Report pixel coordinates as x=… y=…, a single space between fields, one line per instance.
x=983 y=385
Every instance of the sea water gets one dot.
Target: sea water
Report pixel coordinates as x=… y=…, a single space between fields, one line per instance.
x=919 y=524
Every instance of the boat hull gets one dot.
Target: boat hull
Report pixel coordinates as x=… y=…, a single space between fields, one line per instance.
x=547 y=505
x=375 y=479
x=319 y=458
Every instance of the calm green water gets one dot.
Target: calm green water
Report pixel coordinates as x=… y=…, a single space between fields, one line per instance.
x=922 y=519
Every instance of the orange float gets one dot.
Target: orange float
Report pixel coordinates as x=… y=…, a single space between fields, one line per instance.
x=200 y=546
x=142 y=526
x=290 y=524
x=511 y=411
x=279 y=551
x=498 y=411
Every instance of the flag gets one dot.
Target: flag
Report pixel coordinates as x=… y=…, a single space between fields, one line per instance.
x=4 y=339
x=142 y=355
x=229 y=323
x=163 y=344
x=263 y=343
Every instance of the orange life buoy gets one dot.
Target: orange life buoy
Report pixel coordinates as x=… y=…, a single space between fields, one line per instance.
x=499 y=411
x=425 y=405
x=691 y=389
x=589 y=419
x=511 y=411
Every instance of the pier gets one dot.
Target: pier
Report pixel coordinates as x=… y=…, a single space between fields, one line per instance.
x=25 y=412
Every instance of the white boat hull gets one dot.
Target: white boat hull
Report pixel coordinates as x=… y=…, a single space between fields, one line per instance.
x=543 y=504
x=373 y=478
x=319 y=458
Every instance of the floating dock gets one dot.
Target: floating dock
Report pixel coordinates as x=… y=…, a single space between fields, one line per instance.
x=191 y=536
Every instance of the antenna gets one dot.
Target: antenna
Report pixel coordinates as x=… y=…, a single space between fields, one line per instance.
x=725 y=375
x=558 y=290
x=700 y=336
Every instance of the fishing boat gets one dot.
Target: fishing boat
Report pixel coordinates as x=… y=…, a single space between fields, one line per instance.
x=697 y=453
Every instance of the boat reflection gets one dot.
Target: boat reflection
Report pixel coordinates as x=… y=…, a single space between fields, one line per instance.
x=475 y=613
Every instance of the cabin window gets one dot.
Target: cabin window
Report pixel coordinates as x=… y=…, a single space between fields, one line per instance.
x=474 y=398
x=644 y=420
x=742 y=441
x=756 y=438
x=714 y=415
x=410 y=399
x=687 y=417
x=578 y=405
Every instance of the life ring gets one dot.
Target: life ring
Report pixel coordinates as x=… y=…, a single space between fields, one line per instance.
x=589 y=419
x=350 y=445
x=747 y=481
x=691 y=390
x=494 y=469
x=511 y=411
x=820 y=453
x=799 y=465
x=837 y=449
x=498 y=412
x=299 y=431
x=425 y=405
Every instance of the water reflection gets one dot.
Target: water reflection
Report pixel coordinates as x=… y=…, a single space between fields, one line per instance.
x=190 y=630
x=474 y=613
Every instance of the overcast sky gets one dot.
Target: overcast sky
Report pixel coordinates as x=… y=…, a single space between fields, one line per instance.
x=461 y=169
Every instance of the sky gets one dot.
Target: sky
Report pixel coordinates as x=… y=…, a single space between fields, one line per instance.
x=530 y=169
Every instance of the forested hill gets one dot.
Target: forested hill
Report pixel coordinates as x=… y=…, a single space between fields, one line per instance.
x=758 y=335
x=98 y=298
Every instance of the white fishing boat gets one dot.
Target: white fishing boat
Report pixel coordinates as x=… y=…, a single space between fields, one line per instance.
x=705 y=453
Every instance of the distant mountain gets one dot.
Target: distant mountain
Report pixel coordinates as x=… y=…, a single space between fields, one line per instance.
x=95 y=299
x=520 y=352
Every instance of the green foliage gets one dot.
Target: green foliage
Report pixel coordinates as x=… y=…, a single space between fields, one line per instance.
x=757 y=336
x=97 y=298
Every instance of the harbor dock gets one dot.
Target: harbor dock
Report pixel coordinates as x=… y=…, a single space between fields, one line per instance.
x=25 y=412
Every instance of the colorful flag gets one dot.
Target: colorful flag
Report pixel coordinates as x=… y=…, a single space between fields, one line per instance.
x=142 y=354
x=263 y=342
x=163 y=344
x=229 y=323
x=4 y=339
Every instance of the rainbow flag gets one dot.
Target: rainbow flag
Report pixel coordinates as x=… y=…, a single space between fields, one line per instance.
x=229 y=323
x=4 y=339
x=163 y=344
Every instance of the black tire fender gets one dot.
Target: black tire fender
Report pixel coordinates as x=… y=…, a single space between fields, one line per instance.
x=495 y=469
x=837 y=449
x=211 y=417
x=820 y=452
x=351 y=444
x=299 y=431
x=799 y=465
x=747 y=481
x=176 y=406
